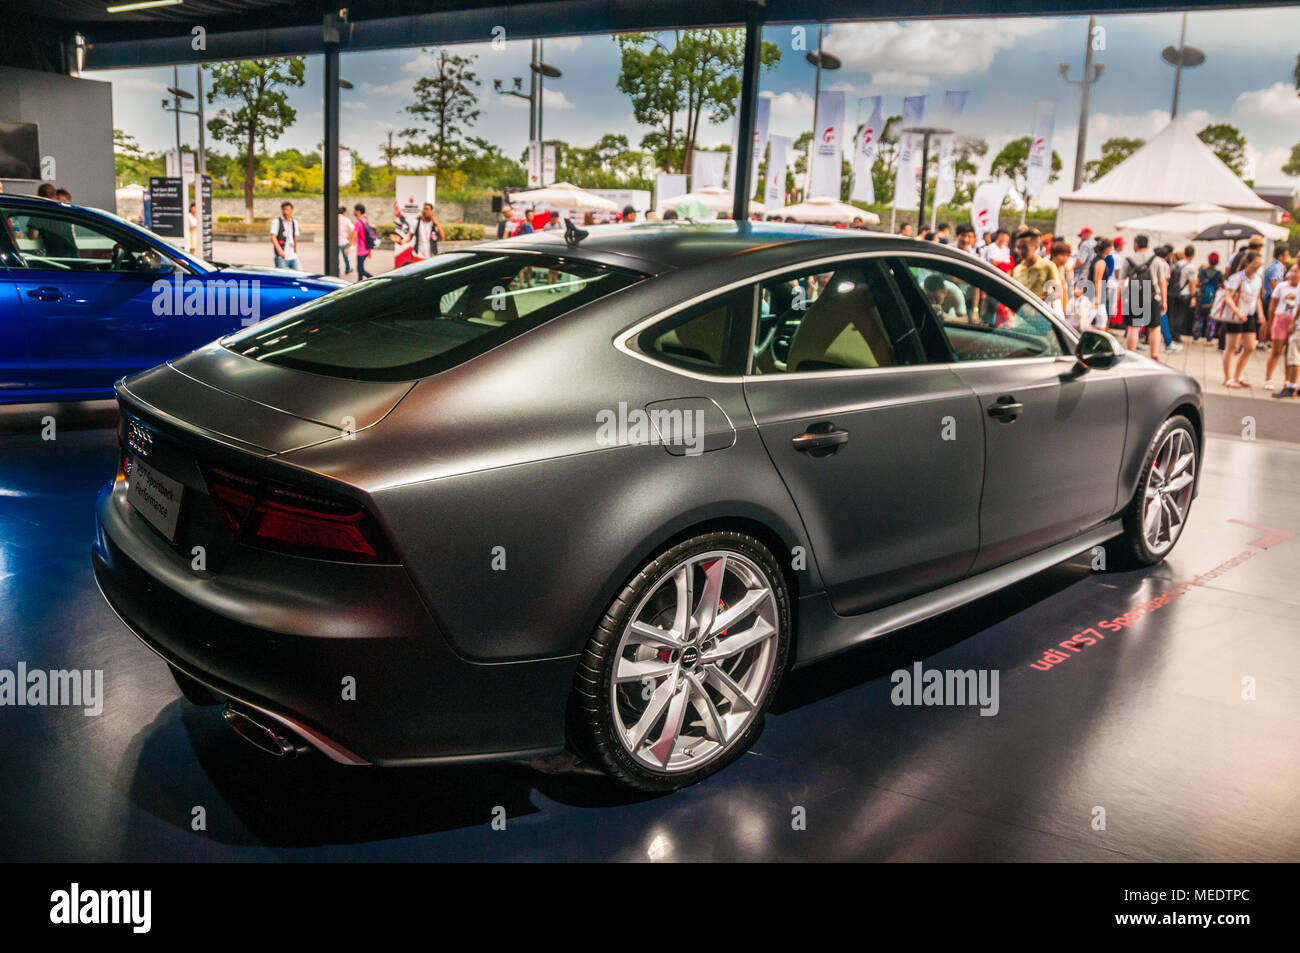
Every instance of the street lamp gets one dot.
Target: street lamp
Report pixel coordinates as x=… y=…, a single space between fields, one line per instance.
x=1091 y=74
x=926 y=133
x=822 y=60
x=1181 y=57
x=538 y=70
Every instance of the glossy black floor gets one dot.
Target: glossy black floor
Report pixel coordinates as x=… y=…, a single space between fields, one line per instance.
x=1149 y=724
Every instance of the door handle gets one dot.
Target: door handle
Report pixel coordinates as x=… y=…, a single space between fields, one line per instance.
x=47 y=294
x=1006 y=409
x=821 y=439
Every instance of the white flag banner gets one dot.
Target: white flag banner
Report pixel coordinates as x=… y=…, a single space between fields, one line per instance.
x=986 y=205
x=864 y=153
x=762 y=121
x=828 y=147
x=1040 y=148
x=906 y=194
x=548 y=164
x=778 y=158
x=954 y=104
x=946 y=186
x=668 y=185
x=707 y=168
x=534 y=163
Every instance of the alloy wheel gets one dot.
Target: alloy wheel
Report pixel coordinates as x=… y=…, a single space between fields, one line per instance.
x=1168 y=493
x=694 y=662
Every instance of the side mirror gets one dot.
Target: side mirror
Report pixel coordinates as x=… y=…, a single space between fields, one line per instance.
x=1098 y=351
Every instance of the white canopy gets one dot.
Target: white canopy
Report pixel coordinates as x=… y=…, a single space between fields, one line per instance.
x=1188 y=221
x=713 y=197
x=563 y=195
x=1174 y=169
x=826 y=210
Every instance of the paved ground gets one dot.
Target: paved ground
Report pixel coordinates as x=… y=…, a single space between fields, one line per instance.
x=1150 y=724
x=312 y=257
x=1248 y=413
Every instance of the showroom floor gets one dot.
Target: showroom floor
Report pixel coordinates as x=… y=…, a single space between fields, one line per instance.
x=1139 y=746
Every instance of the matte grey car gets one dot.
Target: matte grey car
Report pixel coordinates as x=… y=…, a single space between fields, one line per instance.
x=600 y=492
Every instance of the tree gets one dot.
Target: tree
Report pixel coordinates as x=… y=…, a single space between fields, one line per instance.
x=1013 y=163
x=965 y=168
x=389 y=152
x=885 y=166
x=1228 y=144
x=1292 y=166
x=446 y=103
x=1113 y=152
x=257 y=90
x=700 y=75
x=489 y=167
x=130 y=162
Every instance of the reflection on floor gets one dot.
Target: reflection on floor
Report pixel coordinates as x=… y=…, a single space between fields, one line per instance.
x=1146 y=729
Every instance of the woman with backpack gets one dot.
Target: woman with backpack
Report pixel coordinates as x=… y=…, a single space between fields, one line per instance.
x=367 y=239
x=1208 y=280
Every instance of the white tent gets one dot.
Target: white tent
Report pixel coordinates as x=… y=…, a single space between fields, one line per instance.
x=1185 y=222
x=562 y=195
x=713 y=197
x=827 y=211
x=1174 y=169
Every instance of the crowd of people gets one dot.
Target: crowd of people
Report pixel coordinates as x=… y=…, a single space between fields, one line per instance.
x=1100 y=283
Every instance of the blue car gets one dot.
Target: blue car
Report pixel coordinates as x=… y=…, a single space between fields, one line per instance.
x=86 y=297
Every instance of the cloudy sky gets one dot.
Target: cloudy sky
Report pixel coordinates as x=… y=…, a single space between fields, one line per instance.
x=1006 y=65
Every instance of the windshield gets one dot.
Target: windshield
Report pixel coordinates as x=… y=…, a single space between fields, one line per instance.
x=426 y=318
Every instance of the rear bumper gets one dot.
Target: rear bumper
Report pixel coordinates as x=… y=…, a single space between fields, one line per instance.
x=286 y=641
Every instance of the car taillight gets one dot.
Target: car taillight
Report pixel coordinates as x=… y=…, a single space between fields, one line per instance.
x=278 y=517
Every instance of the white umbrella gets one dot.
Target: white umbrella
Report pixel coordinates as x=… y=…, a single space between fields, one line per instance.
x=563 y=195
x=1188 y=221
x=713 y=197
x=826 y=210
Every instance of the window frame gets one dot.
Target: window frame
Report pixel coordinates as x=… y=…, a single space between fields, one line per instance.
x=624 y=341
x=107 y=229
x=884 y=275
x=1068 y=337
x=735 y=347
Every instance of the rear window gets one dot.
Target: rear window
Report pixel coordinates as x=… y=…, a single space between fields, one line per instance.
x=426 y=318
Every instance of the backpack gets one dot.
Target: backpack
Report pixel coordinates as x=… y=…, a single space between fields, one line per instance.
x=1140 y=272
x=372 y=236
x=1177 y=280
x=279 y=232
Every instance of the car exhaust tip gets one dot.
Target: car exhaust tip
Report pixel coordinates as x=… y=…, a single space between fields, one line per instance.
x=262 y=736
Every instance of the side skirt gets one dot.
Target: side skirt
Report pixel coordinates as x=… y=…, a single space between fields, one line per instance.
x=823 y=633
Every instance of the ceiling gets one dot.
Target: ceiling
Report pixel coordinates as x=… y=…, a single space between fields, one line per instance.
x=250 y=28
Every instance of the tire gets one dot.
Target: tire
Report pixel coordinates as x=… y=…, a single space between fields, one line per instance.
x=1134 y=548
x=731 y=665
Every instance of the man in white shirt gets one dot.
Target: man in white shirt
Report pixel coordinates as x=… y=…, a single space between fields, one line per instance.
x=284 y=238
x=428 y=232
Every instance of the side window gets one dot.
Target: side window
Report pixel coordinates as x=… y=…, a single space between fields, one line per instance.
x=526 y=290
x=845 y=317
x=981 y=319
x=55 y=242
x=710 y=338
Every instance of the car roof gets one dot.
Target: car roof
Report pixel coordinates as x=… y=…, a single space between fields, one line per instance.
x=658 y=247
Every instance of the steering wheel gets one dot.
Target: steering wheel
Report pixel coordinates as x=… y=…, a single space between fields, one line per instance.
x=118 y=253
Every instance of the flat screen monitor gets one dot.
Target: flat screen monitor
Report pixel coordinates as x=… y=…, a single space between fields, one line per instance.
x=20 y=152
